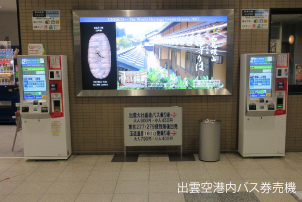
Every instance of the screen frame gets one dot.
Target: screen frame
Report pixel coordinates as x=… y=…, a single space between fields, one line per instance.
x=45 y=75
x=24 y=101
x=273 y=95
x=271 y=73
x=227 y=90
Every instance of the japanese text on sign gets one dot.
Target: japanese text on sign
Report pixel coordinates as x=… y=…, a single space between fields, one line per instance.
x=221 y=187
x=254 y=19
x=46 y=20
x=153 y=126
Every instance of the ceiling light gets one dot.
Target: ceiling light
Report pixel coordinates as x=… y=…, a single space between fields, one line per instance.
x=291 y=39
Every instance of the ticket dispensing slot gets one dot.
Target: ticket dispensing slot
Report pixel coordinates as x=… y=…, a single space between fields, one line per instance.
x=57 y=105
x=54 y=74
x=51 y=74
x=279 y=103
x=56 y=92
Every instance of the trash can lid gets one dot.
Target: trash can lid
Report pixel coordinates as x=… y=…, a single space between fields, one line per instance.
x=213 y=121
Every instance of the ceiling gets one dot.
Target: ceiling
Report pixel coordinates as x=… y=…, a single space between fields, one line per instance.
x=8 y=6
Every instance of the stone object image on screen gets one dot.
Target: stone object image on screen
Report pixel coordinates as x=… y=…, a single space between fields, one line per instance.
x=99 y=56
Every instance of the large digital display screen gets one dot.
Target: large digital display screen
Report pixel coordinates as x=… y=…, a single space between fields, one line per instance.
x=34 y=80
x=260 y=80
x=159 y=53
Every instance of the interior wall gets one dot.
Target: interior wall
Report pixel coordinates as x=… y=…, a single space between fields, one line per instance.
x=9 y=27
x=97 y=123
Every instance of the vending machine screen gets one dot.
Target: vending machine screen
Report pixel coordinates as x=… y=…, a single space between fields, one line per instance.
x=34 y=80
x=260 y=78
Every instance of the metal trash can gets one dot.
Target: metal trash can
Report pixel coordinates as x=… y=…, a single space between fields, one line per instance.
x=209 y=140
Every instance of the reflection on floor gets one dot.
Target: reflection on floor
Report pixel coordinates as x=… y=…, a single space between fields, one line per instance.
x=153 y=178
x=7 y=135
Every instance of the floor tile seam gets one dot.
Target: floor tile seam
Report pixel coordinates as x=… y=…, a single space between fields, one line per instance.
x=41 y=196
x=91 y=170
x=16 y=176
x=8 y=168
x=28 y=174
x=203 y=169
x=231 y=164
x=80 y=191
x=15 y=187
x=48 y=186
x=70 y=162
x=86 y=179
x=208 y=172
x=30 y=194
x=116 y=182
x=253 y=169
x=230 y=169
x=5 y=196
x=265 y=167
x=299 y=167
x=58 y=176
x=275 y=169
x=242 y=160
x=148 y=178
x=275 y=178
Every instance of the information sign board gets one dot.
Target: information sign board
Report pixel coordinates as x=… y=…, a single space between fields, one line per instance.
x=254 y=19
x=46 y=20
x=153 y=126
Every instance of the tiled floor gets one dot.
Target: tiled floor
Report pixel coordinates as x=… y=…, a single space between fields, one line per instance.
x=154 y=179
x=7 y=135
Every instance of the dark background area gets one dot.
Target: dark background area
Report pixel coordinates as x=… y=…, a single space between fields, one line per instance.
x=87 y=30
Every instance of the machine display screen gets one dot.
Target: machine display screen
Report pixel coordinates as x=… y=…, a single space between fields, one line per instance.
x=261 y=71
x=34 y=80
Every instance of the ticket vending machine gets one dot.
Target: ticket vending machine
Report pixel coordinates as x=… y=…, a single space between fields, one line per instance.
x=262 y=104
x=44 y=106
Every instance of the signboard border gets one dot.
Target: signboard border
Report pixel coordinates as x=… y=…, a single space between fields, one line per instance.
x=164 y=108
